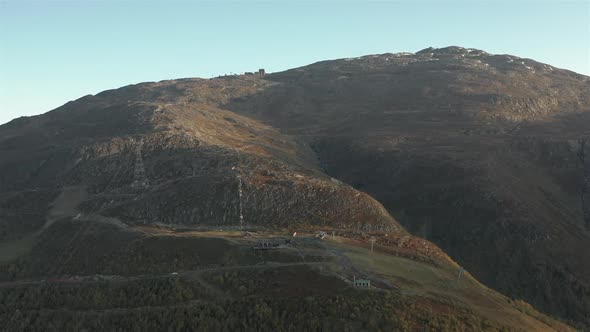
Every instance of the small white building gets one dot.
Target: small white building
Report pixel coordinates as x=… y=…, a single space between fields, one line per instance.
x=362 y=283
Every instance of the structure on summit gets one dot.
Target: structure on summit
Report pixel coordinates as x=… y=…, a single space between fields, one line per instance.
x=261 y=73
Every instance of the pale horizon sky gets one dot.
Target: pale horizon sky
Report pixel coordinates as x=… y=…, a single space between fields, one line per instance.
x=52 y=52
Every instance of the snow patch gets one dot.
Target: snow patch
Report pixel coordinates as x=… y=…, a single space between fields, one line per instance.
x=401 y=54
x=526 y=66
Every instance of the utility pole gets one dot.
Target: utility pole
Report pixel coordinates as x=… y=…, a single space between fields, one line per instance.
x=585 y=190
x=239 y=176
x=372 y=242
x=240 y=185
x=241 y=208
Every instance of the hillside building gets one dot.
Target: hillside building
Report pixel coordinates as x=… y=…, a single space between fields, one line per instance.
x=362 y=283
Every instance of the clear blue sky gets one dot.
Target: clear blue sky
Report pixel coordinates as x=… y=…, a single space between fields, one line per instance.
x=55 y=51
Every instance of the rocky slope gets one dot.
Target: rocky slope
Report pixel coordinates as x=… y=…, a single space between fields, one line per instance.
x=146 y=154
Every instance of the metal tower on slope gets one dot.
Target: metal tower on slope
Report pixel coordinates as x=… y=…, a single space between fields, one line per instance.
x=585 y=187
x=140 y=179
x=240 y=197
x=240 y=194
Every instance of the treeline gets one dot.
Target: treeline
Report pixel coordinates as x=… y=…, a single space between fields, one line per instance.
x=361 y=311
x=102 y=295
x=154 y=255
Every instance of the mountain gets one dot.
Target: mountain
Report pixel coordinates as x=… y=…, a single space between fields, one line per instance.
x=480 y=154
